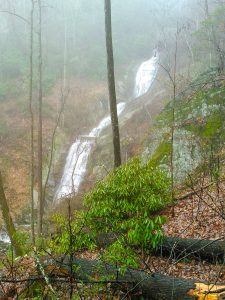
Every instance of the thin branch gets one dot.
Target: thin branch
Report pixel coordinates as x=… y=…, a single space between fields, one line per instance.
x=16 y=15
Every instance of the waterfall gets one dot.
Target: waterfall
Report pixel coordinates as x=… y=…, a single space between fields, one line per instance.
x=4 y=238
x=77 y=158
x=146 y=75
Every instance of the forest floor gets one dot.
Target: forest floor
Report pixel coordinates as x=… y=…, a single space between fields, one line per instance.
x=200 y=216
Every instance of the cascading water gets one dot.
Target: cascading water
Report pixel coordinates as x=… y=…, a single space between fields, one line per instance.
x=146 y=75
x=4 y=238
x=79 y=152
x=77 y=159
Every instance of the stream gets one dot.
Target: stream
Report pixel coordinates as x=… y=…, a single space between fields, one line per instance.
x=78 y=154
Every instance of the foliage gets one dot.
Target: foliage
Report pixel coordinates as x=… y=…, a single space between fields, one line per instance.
x=124 y=203
x=22 y=239
x=131 y=193
x=71 y=236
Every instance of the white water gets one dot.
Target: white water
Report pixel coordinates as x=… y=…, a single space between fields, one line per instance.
x=4 y=238
x=79 y=152
x=146 y=75
x=77 y=158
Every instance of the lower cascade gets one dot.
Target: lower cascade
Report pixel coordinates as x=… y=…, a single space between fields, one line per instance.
x=77 y=159
x=4 y=238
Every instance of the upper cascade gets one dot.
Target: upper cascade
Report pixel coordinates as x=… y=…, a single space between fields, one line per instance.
x=146 y=75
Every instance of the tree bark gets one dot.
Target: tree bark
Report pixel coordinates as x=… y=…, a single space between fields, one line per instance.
x=111 y=85
x=206 y=8
x=178 y=248
x=212 y=251
x=40 y=189
x=8 y=220
x=150 y=286
x=218 y=50
x=31 y=122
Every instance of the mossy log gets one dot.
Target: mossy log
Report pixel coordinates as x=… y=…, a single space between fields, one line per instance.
x=150 y=286
x=178 y=248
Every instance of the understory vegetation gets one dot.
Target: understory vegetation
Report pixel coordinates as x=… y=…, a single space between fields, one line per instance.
x=122 y=206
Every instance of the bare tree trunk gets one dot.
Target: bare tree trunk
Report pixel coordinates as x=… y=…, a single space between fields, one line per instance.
x=206 y=8
x=40 y=193
x=63 y=97
x=31 y=122
x=111 y=85
x=65 y=53
x=189 y=47
x=8 y=220
x=216 y=45
x=174 y=81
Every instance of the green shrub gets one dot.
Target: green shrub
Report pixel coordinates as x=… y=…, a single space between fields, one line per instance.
x=126 y=200
x=126 y=203
x=71 y=236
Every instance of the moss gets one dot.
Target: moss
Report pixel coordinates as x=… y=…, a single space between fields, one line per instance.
x=161 y=153
x=199 y=128
x=213 y=125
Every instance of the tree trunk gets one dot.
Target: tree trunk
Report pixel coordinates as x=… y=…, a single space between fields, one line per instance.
x=31 y=122
x=213 y=251
x=150 y=286
x=206 y=8
x=218 y=50
x=40 y=192
x=8 y=220
x=111 y=85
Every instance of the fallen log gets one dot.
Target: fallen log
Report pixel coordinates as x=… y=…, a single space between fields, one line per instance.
x=178 y=248
x=150 y=286
x=210 y=250
x=135 y=284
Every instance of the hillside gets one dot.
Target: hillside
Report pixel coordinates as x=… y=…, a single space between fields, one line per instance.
x=15 y=136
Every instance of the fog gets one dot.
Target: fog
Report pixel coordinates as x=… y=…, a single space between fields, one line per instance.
x=77 y=27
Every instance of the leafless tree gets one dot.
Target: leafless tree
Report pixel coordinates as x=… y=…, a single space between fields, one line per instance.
x=31 y=121
x=40 y=92
x=111 y=85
